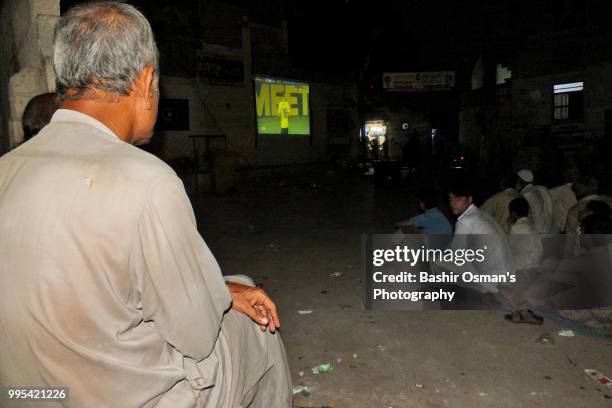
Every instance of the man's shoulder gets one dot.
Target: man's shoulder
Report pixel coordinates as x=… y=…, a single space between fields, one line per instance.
x=533 y=191
x=500 y=196
x=137 y=164
x=470 y=216
x=477 y=221
x=542 y=190
x=435 y=214
x=132 y=163
x=523 y=226
x=84 y=147
x=563 y=192
x=580 y=204
x=478 y=215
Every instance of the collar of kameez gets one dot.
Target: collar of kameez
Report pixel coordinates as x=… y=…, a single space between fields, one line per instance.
x=69 y=115
x=470 y=209
x=522 y=220
x=591 y=198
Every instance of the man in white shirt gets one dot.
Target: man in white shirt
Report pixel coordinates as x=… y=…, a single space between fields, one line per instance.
x=540 y=202
x=476 y=229
x=470 y=219
x=525 y=244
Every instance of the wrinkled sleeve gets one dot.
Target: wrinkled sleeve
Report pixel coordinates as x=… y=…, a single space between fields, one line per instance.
x=461 y=228
x=490 y=205
x=418 y=220
x=182 y=290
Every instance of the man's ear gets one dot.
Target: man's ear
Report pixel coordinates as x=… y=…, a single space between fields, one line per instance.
x=146 y=85
x=470 y=199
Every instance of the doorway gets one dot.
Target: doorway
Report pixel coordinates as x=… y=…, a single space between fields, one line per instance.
x=375 y=140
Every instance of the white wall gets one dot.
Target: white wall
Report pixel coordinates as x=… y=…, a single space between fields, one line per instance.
x=230 y=110
x=277 y=150
x=213 y=109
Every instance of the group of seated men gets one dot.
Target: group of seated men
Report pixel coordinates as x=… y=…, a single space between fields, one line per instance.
x=520 y=217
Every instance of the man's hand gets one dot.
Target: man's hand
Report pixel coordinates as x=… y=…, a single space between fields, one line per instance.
x=256 y=304
x=404 y=223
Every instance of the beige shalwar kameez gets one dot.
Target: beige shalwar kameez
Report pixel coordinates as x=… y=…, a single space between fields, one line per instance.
x=107 y=288
x=572 y=222
x=497 y=206
x=563 y=198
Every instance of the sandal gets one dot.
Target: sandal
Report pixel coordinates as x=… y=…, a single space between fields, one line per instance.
x=524 y=316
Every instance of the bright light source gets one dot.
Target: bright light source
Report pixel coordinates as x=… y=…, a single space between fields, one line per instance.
x=569 y=87
x=503 y=74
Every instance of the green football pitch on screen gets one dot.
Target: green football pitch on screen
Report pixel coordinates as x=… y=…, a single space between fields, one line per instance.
x=282 y=107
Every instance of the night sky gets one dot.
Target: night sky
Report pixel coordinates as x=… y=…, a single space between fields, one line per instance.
x=410 y=35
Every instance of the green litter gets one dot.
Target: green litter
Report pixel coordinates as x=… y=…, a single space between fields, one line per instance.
x=325 y=368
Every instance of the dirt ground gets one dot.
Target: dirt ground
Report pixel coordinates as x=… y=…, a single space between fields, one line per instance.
x=291 y=235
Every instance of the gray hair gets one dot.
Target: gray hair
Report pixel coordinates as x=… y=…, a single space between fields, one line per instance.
x=102 y=45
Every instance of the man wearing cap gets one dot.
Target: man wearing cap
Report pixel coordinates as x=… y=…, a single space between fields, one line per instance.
x=540 y=203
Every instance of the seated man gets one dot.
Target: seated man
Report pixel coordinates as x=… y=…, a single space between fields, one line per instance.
x=586 y=190
x=474 y=230
x=573 y=280
x=431 y=220
x=527 y=251
x=497 y=205
x=539 y=199
x=470 y=219
x=563 y=198
x=525 y=244
x=596 y=210
x=37 y=114
x=106 y=286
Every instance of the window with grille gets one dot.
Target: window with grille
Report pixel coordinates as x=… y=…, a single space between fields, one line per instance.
x=568 y=101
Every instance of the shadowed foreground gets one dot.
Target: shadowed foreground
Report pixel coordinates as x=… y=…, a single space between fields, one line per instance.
x=290 y=236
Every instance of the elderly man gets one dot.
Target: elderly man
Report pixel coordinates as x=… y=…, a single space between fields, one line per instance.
x=105 y=284
x=540 y=202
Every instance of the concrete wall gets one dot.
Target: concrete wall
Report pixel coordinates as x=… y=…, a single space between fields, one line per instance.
x=26 y=70
x=598 y=98
x=275 y=150
x=25 y=61
x=229 y=110
x=524 y=129
x=213 y=109
x=418 y=125
x=533 y=107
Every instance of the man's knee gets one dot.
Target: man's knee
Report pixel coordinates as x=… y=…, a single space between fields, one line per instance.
x=239 y=278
